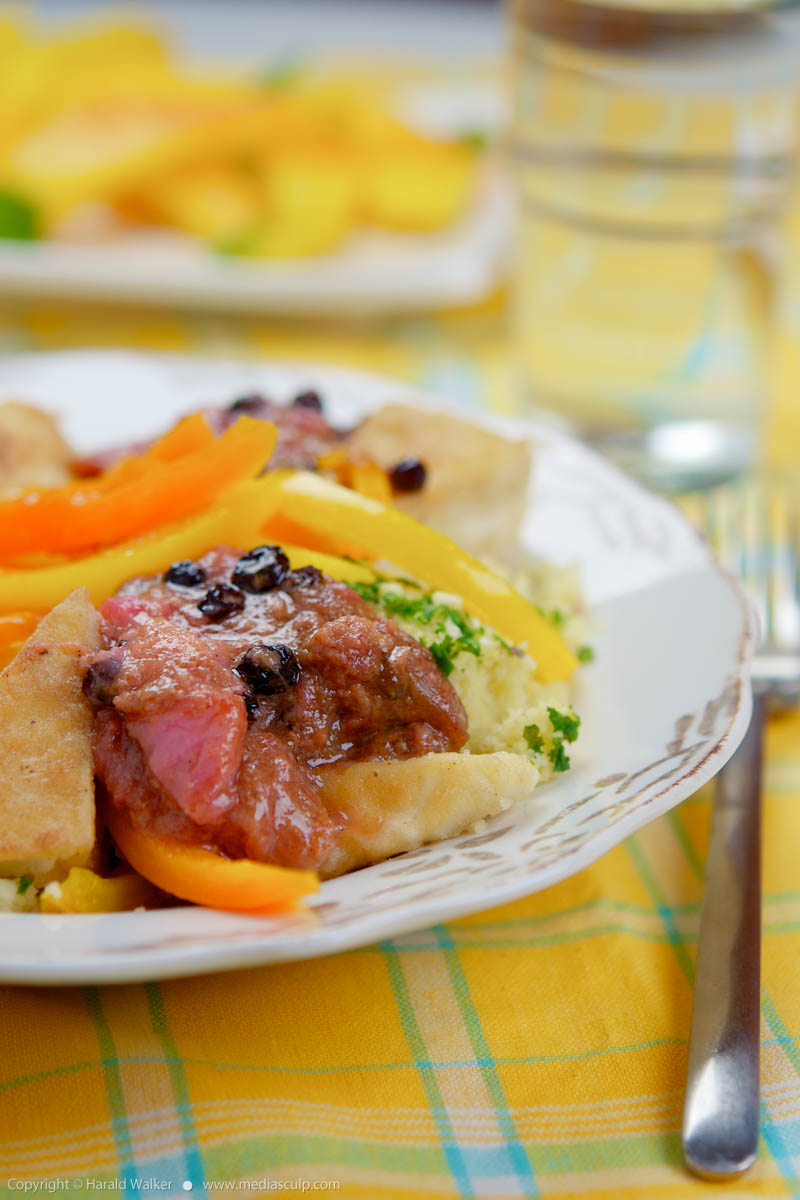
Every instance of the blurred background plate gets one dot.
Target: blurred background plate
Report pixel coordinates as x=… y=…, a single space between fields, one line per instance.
x=438 y=68
x=376 y=272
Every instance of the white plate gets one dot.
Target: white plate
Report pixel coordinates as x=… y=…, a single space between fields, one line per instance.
x=663 y=706
x=374 y=271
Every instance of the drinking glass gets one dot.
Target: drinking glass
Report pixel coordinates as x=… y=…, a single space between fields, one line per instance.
x=654 y=151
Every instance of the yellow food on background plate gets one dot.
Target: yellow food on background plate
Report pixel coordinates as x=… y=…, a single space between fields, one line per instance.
x=102 y=128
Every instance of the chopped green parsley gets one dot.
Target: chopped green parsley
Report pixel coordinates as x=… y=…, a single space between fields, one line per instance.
x=554 y=615
x=565 y=728
x=533 y=737
x=439 y=622
x=447 y=631
x=566 y=723
x=23 y=884
x=443 y=659
x=585 y=654
x=557 y=755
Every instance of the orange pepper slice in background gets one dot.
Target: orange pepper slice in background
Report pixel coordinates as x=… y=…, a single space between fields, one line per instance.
x=15 y=628
x=192 y=433
x=199 y=875
x=74 y=519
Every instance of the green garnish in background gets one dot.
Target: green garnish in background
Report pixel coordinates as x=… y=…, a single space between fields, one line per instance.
x=474 y=139
x=237 y=245
x=282 y=73
x=23 y=884
x=18 y=219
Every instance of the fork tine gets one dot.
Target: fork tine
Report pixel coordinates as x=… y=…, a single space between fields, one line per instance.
x=754 y=567
x=783 y=631
x=754 y=530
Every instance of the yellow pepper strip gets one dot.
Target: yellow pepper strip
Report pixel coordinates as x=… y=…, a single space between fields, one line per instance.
x=362 y=476
x=427 y=555
x=343 y=569
x=85 y=892
x=236 y=519
x=199 y=875
x=282 y=529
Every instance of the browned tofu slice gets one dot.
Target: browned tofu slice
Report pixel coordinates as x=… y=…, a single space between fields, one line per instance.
x=33 y=453
x=476 y=485
x=392 y=807
x=47 y=811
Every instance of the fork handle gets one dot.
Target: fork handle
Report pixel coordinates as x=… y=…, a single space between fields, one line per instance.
x=721 y=1109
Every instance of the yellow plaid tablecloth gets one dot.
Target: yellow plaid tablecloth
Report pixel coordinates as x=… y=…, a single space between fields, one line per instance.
x=538 y=1049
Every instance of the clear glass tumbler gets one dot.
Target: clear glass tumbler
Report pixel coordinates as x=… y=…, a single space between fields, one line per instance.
x=655 y=150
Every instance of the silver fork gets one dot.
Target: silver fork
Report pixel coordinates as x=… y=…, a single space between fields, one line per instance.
x=755 y=531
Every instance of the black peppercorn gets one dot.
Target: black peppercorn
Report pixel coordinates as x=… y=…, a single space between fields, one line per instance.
x=304 y=577
x=309 y=399
x=185 y=574
x=267 y=669
x=221 y=601
x=408 y=475
x=261 y=570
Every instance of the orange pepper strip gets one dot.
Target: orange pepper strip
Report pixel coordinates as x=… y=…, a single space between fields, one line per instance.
x=78 y=521
x=191 y=433
x=199 y=875
x=236 y=519
x=15 y=628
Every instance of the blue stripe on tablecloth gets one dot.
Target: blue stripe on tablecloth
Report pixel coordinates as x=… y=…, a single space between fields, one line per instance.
x=115 y=1095
x=772 y=1134
x=661 y=906
x=690 y=854
x=783 y=1138
x=781 y=1033
x=452 y=1150
x=349 y=1068
x=516 y=1151
x=193 y=1160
